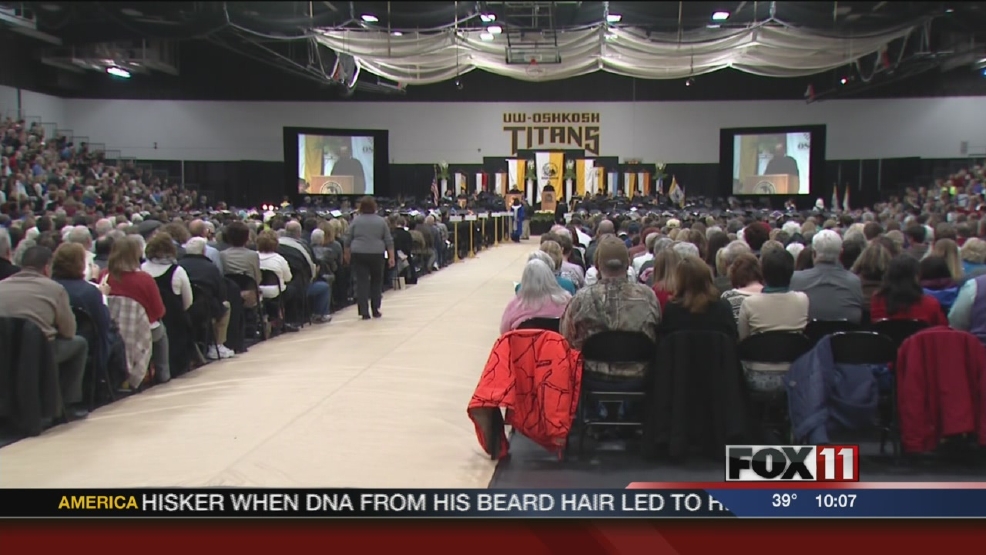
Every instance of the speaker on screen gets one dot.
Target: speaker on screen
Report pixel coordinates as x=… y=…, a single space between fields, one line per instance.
x=335 y=161
x=766 y=161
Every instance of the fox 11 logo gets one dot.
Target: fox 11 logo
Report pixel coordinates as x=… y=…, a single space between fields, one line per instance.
x=792 y=463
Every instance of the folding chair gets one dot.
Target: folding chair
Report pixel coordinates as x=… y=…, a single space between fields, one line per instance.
x=898 y=330
x=274 y=308
x=817 y=329
x=247 y=283
x=774 y=347
x=85 y=326
x=872 y=348
x=200 y=314
x=550 y=324
x=612 y=347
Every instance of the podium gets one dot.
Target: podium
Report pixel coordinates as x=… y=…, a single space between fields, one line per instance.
x=770 y=185
x=332 y=185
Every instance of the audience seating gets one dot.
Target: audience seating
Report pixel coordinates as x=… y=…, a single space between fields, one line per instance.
x=773 y=347
x=254 y=318
x=275 y=308
x=201 y=315
x=817 y=329
x=96 y=374
x=612 y=347
x=550 y=324
x=898 y=330
x=875 y=349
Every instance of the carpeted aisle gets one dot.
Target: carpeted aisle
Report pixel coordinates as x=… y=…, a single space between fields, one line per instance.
x=380 y=403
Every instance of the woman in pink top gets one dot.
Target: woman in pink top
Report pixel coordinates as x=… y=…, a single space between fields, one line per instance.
x=540 y=296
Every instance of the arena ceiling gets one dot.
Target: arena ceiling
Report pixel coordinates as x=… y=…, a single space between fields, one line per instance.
x=247 y=49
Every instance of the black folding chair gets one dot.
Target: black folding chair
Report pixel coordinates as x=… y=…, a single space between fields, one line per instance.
x=773 y=347
x=259 y=317
x=817 y=329
x=550 y=324
x=613 y=347
x=898 y=330
x=872 y=348
x=200 y=313
x=275 y=308
x=85 y=326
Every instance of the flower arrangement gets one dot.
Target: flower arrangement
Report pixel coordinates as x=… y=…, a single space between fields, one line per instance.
x=569 y=170
x=443 y=170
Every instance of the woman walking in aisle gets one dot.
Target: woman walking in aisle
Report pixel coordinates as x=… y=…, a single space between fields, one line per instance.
x=367 y=241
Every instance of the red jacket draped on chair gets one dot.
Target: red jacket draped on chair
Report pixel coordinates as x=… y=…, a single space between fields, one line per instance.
x=536 y=376
x=941 y=388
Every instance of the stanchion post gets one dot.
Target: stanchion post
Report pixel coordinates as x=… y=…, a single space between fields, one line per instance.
x=472 y=228
x=454 y=220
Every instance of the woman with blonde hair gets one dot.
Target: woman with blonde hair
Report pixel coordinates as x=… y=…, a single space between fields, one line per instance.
x=665 y=274
x=949 y=250
x=124 y=278
x=554 y=250
x=973 y=254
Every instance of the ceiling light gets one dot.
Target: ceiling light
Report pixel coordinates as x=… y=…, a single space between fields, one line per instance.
x=610 y=36
x=713 y=26
x=117 y=72
x=495 y=29
x=949 y=10
x=486 y=36
x=720 y=16
x=369 y=18
x=397 y=34
x=131 y=12
x=613 y=18
x=843 y=80
x=488 y=17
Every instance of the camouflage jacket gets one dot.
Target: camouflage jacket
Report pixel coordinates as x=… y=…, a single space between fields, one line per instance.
x=611 y=305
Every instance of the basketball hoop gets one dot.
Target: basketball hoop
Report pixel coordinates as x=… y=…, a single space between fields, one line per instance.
x=534 y=70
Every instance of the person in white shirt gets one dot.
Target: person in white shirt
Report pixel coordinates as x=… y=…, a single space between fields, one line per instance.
x=161 y=255
x=270 y=260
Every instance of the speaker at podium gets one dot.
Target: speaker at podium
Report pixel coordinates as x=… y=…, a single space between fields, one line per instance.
x=332 y=185
x=770 y=185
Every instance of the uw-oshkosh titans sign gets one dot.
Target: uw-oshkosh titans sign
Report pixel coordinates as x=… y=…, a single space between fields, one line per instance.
x=552 y=129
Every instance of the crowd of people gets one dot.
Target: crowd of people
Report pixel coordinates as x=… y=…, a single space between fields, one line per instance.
x=132 y=283
x=917 y=257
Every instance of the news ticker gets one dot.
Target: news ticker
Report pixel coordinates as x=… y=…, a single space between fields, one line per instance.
x=639 y=500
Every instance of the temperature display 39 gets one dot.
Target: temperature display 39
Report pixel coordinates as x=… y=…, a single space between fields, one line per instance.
x=783 y=499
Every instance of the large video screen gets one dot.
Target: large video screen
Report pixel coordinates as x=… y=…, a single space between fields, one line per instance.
x=772 y=161
x=334 y=161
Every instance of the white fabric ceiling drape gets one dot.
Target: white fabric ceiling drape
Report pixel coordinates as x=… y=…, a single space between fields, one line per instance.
x=767 y=50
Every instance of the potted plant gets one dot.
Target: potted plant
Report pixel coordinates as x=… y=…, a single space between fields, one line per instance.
x=532 y=172
x=541 y=222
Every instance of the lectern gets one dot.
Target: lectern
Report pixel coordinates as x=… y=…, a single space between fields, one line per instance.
x=332 y=185
x=771 y=185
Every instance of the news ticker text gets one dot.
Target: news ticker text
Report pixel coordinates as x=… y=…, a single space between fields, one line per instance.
x=709 y=500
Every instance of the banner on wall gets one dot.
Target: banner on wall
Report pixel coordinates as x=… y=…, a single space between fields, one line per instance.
x=481 y=184
x=501 y=183
x=549 y=166
x=460 y=184
x=516 y=167
x=528 y=131
x=588 y=177
x=643 y=182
